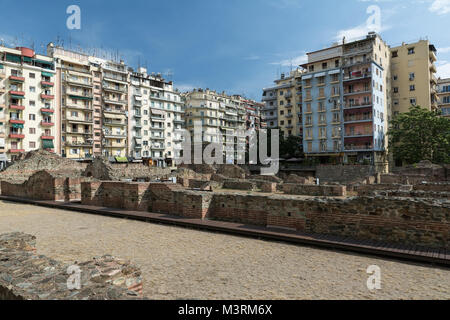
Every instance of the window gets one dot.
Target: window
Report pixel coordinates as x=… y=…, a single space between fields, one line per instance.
x=396 y=90
x=324 y=65
x=412 y=101
x=74 y=151
x=336 y=63
x=411 y=50
x=412 y=88
x=32 y=76
x=32 y=117
x=32 y=144
x=32 y=103
x=32 y=130
x=411 y=76
x=32 y=89
x=311 y=68
x=309 y=146
x=395 y=77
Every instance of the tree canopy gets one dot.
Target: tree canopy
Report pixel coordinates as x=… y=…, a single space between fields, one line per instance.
x=420 y=135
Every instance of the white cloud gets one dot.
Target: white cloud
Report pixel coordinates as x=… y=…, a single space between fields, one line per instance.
x=296 y=61
x=443 y=69
x=358 y=32
x=440 y=7
x=443 y=50
x=183 y=87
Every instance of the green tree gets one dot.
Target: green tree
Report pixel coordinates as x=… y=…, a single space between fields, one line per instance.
x=291 y=147
x=420 y=135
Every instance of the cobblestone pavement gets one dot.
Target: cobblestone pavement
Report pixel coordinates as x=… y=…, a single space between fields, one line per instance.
x=181 y=263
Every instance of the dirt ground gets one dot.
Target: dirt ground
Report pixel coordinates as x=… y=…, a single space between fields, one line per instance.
x=181 y=263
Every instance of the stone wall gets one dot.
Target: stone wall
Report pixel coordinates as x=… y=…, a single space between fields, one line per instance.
x=314 y=190
x=344 y=173
x=45 y=185
x=28 y=276
x=239 y=185
x=404 y=220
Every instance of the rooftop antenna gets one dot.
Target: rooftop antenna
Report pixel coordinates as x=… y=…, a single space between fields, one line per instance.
x=168 y=74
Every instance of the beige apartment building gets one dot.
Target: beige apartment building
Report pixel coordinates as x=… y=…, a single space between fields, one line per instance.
x=220 y=115
x=74 y=103
x=27 y=102
x=414 y=76
x=443 y=91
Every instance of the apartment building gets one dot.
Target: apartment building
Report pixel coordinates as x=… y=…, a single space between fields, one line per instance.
x=269 y=112
x=346 y=102
x=413 y=76
x=158 y=119
x=27 y=102
x=221 y=116
x=443 y=91
x=74 y=103
x=253 y=114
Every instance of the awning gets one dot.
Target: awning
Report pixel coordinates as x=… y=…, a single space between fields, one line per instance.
x=307 y=77
x=80 y=97
x=335 y=71
x=47 y=74
x=17 y=125
x=13 y=58
x=27 y=59
x=47 y=113
x=320 y=74
x=121 y=159
x=2 y=66
x=43 y=62
x=138 y=141
x=14 y=96
x=47 y=144
x=137 y=98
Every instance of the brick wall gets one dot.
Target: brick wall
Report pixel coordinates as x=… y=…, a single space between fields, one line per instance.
x=314 y=190
x=45 y=186
x=239 y=185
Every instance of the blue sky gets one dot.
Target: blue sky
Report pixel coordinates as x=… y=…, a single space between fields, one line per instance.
x=239 y=46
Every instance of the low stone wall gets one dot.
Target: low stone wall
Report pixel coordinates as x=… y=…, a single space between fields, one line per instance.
x=344 y=173
x=44 y=185
x=239 y=185
x=27 y=276
x=314 y=190
x=427 y=189
x=435 y=187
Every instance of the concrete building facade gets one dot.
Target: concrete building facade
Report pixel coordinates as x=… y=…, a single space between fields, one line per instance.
x=414 y=76
x=443 y=91
x=221 y=116
x=27 y=102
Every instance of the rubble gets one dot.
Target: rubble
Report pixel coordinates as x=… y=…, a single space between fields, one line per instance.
x=102 y=169
x=25 y=275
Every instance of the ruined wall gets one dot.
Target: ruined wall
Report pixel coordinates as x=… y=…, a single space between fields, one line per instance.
x=314 y=190
x=27 y=276
x=344 y=173
x=44 y=185
x=239 y=185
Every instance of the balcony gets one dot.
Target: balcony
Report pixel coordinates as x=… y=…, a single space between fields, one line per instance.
x=47 y=96
x=158 y=147
x=78 y=120
x=359 y=148
x=16 y=107
x=18 y=94
x=80 y=96
x=433 y=56
x=17 y=121
x=79 y=143
x=16 y=136
x=158 y=137
x=358 y=76
x=16 y=79
x=16 y=150
x=116 y=102
x=45 y=110
x=114 y=123
x=47 y=84
x=361 y=91
x=114 y=89
x=115 y=111
x=44 y=137
x=433 y=67
x=47 y=124
x=358 y=119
